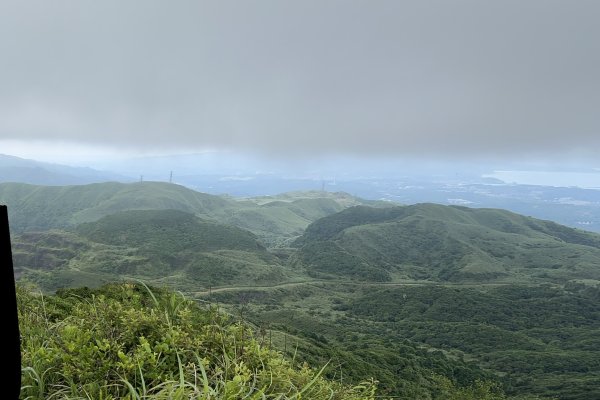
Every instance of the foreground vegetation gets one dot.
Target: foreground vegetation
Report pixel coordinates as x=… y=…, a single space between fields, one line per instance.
x=533 y=340
x=127 y=342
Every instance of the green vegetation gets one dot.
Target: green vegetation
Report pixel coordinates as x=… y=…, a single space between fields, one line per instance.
x=161 y=246
x=441 y=243
x=543 y=339
x=167 y=231
x=43 y=207
x=306 y=321
x=126 y=342
x=530 y=340
x=276 y=220
x=433 y=302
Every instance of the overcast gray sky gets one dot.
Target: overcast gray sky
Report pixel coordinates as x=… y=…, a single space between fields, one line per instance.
x=432 y=78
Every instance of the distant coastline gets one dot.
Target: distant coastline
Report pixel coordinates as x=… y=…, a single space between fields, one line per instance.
x=586 y=180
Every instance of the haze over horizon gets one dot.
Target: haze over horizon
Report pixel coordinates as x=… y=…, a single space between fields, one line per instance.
x=455 y=81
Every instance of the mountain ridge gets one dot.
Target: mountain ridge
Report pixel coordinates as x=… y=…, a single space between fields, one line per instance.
x=441 y=243
x=16 y=169
x=276 y=221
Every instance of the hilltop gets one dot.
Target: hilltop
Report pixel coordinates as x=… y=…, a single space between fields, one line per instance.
x=276 y=220
x=16 y=169
x=35 y=208
x=446 y=243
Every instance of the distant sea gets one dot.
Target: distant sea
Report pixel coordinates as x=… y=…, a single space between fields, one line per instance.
x=587 y=180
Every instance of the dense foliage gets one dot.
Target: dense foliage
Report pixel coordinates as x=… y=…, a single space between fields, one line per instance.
x=127 y=342
x=162 y=245
x=309 y=320
x=543 y=338
x=443 y=243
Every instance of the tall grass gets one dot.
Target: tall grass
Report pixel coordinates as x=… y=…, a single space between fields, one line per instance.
x=127 y=341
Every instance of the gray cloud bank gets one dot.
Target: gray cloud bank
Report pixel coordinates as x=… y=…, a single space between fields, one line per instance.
x=452 y=78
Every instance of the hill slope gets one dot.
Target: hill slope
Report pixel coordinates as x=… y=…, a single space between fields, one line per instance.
x=276 y=220
x=15 y=169
x=168 y=246
x=446 y=243
x=34 y=208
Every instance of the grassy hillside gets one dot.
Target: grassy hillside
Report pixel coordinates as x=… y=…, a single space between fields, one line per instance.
x=342 y=198
x=167 y=231
x=166 y=246
x=537 y=340
x=280 y=219
x=306 y=319
x=35 y=208
x=279 y=222
x=276 y=220
x=125 y=342
x=15 y=169
x=446 y=243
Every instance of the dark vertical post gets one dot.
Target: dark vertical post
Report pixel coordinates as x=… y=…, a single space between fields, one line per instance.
x=12 y=350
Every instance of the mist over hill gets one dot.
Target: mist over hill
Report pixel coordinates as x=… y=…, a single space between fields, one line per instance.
x=15 y=169
x=570 y=199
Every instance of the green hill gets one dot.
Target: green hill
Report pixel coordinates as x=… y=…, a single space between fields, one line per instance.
x=537 y=340
x=280 y=219
x=276 y=220
x=342 y=198
x=446 y=243
x=167 y=231
x=15 y=169
x=35 y=208
x=168 y=246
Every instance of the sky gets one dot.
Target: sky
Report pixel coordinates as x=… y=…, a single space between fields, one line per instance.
x=447 y=79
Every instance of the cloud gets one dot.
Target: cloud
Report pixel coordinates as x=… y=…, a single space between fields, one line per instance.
x=434 y=78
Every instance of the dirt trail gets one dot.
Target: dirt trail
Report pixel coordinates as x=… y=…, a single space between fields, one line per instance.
x=340 y=282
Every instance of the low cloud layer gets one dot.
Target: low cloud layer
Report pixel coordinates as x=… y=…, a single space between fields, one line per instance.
x=453 y=78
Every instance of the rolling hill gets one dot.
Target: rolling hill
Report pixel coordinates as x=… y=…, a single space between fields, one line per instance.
x=35 y=208
x=446 y=243
x=16 y=169
x=162 y=246
x=276 y=220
